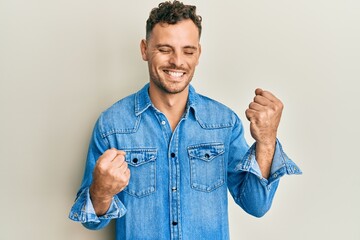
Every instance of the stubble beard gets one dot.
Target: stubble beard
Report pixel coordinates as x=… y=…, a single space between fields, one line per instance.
x=169 y=87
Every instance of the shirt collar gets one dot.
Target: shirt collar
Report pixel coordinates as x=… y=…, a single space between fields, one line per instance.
x=143 y=101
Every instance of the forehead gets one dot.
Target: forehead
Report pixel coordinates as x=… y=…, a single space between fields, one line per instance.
x=183 y=32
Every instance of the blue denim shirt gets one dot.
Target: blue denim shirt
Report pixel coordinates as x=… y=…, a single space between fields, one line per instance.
x=179 y=179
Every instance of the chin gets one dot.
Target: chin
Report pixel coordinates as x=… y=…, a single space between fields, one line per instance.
x=178 y=87
x=174 y=90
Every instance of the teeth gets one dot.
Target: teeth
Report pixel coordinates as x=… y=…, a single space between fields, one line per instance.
x=175 y=74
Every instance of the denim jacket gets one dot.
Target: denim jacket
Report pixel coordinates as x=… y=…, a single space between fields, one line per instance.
x=179 y=179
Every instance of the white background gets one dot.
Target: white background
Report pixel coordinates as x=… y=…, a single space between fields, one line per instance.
x=62 y=62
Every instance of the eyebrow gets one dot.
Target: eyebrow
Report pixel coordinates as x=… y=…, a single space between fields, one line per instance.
x=169 y=46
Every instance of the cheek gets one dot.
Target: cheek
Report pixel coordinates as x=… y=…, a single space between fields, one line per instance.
x=193 y=63
x=158 y=61
x=194 y=60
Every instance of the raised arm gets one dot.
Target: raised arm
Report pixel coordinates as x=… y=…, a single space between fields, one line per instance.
x=264 y=114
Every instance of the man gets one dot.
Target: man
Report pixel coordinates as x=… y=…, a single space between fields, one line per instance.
x=161 y=160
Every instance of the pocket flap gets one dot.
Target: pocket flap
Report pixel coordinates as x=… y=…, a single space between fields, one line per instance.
x=137 y=157
x=206 y=152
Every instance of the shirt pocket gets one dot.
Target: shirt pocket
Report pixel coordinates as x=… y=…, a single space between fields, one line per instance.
x=207 y=171
x=142 y=165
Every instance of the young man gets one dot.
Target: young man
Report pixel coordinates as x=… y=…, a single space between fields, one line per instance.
x=161 y=160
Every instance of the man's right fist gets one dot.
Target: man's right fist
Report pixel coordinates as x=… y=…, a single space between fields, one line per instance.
x=111 y=175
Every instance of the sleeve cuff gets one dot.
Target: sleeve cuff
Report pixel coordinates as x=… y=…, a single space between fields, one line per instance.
x=280 y=166
x=83 y=210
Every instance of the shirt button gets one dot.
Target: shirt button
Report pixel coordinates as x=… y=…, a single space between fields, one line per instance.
x=174 y=189
x=174 y=223
x=163 y=122
x=172 y=155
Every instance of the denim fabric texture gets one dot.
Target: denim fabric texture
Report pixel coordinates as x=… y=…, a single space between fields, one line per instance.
x=179 y=179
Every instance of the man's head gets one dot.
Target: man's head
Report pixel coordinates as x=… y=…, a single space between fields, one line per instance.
x=172 y=47
x=172 y=13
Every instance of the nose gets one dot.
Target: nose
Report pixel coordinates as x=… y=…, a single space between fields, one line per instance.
x=176 y=60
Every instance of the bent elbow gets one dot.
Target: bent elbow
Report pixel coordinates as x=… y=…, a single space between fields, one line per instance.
x=256 y=209
x=258 y=213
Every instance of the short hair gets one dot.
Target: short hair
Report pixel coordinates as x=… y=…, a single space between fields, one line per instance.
x=172 y=13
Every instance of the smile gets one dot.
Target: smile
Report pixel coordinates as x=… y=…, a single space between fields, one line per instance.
x=174 y=74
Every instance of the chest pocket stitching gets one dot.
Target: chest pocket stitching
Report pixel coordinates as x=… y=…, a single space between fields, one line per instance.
x=207 y=166
x=206 y=154
x=142 y=167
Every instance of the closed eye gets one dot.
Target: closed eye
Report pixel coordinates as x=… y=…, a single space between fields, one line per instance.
x=164 y=50
x=189 y=52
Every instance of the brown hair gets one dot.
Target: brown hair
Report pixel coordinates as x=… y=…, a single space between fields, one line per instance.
x=172 y=13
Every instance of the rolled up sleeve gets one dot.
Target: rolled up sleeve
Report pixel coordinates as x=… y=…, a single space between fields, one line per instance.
x=84 y=212
x=83 y=209
x=250 y=190
x=281 y=165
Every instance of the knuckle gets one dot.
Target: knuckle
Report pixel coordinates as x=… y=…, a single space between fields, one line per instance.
x=110 y=151
x=101 y=166
x=278 y=106
x=273 y=107
x=281 y=105
x=121 y=157
x=113 y=171
x=126 y=165
x=121 y=152
x=262 y=115
x=107 y=155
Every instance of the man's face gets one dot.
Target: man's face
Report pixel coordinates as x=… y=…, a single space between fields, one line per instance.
x=172 y=52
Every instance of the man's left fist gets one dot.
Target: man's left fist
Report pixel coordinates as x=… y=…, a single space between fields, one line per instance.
x=264 y=114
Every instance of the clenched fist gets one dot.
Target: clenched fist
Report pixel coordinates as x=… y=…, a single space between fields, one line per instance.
x=264 y=114
x=111 y=175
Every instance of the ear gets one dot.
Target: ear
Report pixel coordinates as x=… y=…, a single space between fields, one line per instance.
x=143 y=48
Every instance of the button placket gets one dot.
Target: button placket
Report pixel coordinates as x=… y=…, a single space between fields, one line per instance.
x=174 y=188
x=174 y=192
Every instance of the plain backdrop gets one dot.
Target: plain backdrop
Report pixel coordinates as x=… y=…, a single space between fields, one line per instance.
x=62 y=62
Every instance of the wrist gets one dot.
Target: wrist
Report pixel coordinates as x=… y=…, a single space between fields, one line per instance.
x=98 y=196
x=266 y=144
x=100 y=202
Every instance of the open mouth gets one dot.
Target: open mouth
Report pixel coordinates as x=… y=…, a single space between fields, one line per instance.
x=174 y=74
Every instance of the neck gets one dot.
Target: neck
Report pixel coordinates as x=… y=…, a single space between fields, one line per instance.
x=172 y=105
